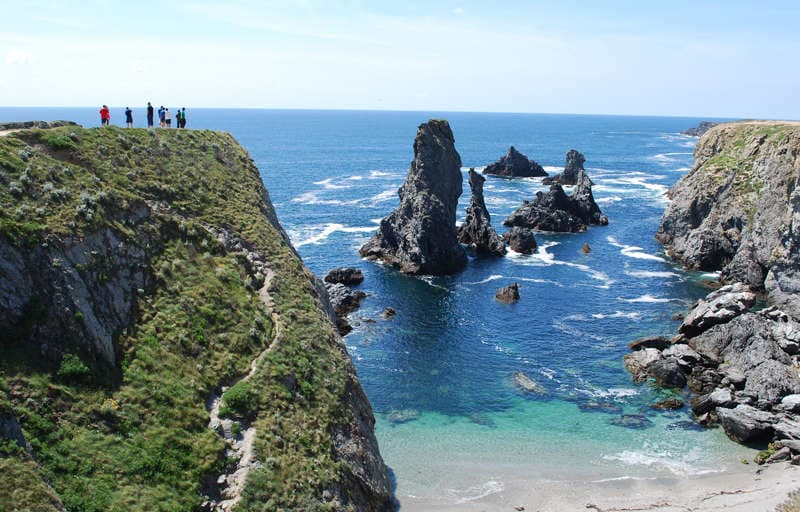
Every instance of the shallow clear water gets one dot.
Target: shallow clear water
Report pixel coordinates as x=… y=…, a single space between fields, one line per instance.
x=444 y=363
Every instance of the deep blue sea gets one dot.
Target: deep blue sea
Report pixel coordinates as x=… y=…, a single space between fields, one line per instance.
x=450 y=422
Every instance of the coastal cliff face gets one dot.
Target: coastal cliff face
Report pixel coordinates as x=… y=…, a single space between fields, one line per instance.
x=730 y=212
x=163 y=345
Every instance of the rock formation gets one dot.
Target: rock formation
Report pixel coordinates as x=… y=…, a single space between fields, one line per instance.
x=419 y=237
x=556 y=211
x=520 y=240
x=477 y=231
x=572 y=168
x=146 y=282
x=700 y=129
x=515 y=165
x=348 y=276
x=344 y=301
x=508 y=294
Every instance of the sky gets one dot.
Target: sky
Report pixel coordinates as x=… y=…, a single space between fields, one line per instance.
x=709 y=58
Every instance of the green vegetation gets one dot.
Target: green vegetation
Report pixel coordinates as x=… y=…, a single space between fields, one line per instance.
x=792 y=504
x=143 y=443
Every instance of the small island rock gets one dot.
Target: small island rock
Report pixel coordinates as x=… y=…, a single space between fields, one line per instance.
x=514 y=164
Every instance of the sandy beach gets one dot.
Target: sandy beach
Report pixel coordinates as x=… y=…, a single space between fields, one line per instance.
x=753 y=489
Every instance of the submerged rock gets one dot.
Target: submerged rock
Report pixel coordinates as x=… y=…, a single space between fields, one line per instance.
x=419 y=237
x=634 y=421
x=477 y=231
x=605 y=407
x=508 y=294
x=527 y=384
x=397 y=416
x=513 y=165
x=670 y=404
x=520 y=240
x=572 y=168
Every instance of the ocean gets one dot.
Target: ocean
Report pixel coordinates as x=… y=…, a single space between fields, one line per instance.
x=451 y=424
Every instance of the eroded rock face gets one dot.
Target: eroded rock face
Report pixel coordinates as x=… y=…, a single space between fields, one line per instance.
x=556 y=211
x=719 y=307
x=477 y=231
x=515 y=165
x=700 y=129
x=348 y=276
x=572 y=168
x=508 y=294
x=520 y=240
x=419 y=237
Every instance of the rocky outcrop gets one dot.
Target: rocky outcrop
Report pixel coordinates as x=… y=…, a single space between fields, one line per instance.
x=515 y=165
x=520 y=240
x=718 y=307
x=344 y=301
x=419 y=237
x=477 y=231
x=508 y=294
x=348 y=276
x=572 y=169
x=528 y=385
x=736 y=210
x=25 y=125
x=556 y=211
x=700 y=129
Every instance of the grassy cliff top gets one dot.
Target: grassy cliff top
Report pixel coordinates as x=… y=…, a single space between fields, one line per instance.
x=142 y=442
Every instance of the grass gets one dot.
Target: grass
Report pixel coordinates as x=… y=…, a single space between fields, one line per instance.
x=142 y=443
x=792 y=504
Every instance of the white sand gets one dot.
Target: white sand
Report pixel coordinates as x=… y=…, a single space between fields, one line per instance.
x=751 y=489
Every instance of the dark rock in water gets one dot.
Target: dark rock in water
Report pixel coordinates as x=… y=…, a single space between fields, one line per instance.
x=677 y=316
x=348 y=276
x=529 y=385
x=343 y=299
x=572 y=168
x=477 y=231
x=419 y=237
x=667 y=373
x=556 y=211
x=483 y=420
x=685 y=425
x=657 y=342
x=508 y=294
x=605 y=407
x=515 y=165
x=700 y=129
x=635 y=421
x=718 y=307
x=397 y=416
x=586 y=249
x=388 y=313
x=638 y=362
x=670 y=404
x=520 y=240
x=746 y=424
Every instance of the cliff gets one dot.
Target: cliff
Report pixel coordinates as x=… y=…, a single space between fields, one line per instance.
x=163 y=345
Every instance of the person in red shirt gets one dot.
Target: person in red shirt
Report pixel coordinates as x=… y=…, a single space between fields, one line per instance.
x=105 y=116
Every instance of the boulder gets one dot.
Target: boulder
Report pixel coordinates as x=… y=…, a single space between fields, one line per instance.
x=787 y=427
x=670 y=404
x=745 y=423
x=722 y=397
x=683 y=353
x=657 y=342
x=528 y=385
x=419 y=237
x=638 y=362
x=343 y=299
x=718 y=307
x=780 y=455
x=791 y=403
x=572 y=167
x=508 y=294
x=477 y=231
x=515 y=165
x=348 y=276
x=556 y=211
x=667 y=373
x=520 y=240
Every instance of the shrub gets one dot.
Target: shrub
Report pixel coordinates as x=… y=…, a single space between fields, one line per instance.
x=240 y=399
x=72 y=368
x=59 y=141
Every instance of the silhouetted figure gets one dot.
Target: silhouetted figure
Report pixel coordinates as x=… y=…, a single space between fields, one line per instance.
x=128 y=117
x=149 y=115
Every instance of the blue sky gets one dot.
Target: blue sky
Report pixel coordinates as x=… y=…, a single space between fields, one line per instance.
x=711 y=58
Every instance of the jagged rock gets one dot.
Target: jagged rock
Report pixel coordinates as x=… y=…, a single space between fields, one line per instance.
x=572 y=168
x=419 y=237
x=792 y=444
x=11 y=430
x=520 y=240
x=555 y=211
x=718 y=307
x=701 y=404
x=670 y=404
x=667 y=373
x=343 y=299
x=779 y=456
x=787 y=427
x=586 y=249
x=790 y=403
x=515 y=165
x=657 y=342
x=348 y=276
x=508 y=294
x=700 y=129
x=745 y=423
x=527 y=384
x=685 y=356
x=477 y=231
x=722 y=397
x=389 y=312
x=638 y=362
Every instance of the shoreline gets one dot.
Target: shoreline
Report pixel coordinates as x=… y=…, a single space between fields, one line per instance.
x=752 y=489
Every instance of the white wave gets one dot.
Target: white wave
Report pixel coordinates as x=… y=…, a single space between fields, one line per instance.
x=542 y=257
x=632 y=251
x=608 y=200
x=355 y=178
x=327 y=183
x=661 y=459
x=651 y=273
x=646 y=298
x=612 y=393
x=493 y=277
x=313 y=198
x=548 y=372
x=327 y=230
x=476 y=492
x=624 y=478
x=710 y=275
x=633 y=315
x=383 y=196
x=429 y=281
x=380 y=174
x=552 y=169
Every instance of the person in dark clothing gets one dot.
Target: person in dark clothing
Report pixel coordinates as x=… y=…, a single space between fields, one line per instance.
x=129 y=117
x=161 y=113
x=149 y=115
x=183 y=117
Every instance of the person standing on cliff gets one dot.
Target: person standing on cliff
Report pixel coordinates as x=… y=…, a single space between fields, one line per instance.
x=105 y=116
x=128 y=117
x=168 y=118
x=149 y=115
x=183 y=117
x=161 y=112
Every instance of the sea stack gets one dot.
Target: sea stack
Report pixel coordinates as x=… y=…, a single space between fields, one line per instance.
x=419 y=237
x=572 y=167
x=477 y=231
x=515 y=165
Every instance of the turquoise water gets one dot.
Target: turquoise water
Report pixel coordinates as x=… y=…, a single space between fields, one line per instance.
x=450 y=422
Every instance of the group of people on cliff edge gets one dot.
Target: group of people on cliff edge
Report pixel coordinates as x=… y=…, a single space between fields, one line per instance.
x=164 y=117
